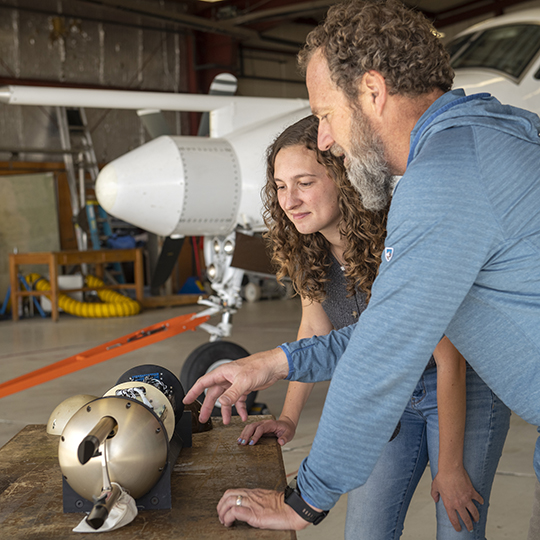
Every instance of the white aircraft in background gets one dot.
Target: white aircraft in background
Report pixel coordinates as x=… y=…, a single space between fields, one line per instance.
x=501 y=56
x=177 y=186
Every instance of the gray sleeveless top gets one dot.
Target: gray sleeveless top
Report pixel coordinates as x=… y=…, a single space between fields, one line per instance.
x=341 y=309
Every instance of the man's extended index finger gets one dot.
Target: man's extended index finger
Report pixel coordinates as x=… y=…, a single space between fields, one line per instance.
x=196 y=390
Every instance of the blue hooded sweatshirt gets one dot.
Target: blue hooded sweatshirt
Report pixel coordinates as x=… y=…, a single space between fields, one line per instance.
x=462 y=258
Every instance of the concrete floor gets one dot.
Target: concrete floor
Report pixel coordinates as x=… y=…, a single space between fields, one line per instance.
x=33 y=343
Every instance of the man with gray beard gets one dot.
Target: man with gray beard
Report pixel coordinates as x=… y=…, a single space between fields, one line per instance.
x=366 y=165
x=462 y=254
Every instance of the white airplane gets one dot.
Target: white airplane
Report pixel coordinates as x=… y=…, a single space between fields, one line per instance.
x=501 y=56
x=178 y=186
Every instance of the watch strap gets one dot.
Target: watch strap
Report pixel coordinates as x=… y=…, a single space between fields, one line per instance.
x=301 y=507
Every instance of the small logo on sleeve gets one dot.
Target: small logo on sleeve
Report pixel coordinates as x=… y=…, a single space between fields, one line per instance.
x=388 y=253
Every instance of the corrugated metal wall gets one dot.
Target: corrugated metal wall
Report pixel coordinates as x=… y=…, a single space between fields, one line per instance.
x=55 y=41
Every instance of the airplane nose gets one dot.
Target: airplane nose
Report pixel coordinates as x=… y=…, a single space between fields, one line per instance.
x=107 y=187
x=144 y=187
x=174 y=185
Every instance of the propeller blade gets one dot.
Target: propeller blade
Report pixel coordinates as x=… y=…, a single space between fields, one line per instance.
x=224 y=84
x=165 y=263
x=154 y=122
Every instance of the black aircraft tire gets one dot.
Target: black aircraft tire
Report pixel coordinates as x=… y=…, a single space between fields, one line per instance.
x=205 y=358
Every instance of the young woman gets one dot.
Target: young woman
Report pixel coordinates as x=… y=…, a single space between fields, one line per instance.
x=330 y=247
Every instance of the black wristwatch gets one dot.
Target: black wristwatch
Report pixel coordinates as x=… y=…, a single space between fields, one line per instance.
x=301 y=507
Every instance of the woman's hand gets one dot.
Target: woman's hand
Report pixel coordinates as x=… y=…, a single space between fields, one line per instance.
x=458 y=496
x=284 y=429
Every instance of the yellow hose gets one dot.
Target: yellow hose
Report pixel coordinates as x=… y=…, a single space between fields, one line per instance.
x=115 y=304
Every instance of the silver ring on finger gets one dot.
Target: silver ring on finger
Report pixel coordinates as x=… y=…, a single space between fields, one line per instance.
x=239 y=500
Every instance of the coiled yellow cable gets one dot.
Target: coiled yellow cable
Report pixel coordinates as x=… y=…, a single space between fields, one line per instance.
x=115 y=304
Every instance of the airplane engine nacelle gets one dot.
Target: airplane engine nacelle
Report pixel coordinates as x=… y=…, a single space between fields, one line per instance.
x=174 y=185
x=194 y=186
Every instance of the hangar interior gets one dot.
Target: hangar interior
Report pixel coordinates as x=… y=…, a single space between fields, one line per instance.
x=173 y=46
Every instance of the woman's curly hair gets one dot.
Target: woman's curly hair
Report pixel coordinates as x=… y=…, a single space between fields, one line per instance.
x=386 y=36
x=305 y=258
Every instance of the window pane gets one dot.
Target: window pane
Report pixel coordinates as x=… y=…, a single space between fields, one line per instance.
x=508 y=49
x=454 y=46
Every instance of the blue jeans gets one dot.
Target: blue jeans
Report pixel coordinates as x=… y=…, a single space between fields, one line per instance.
x=376 y=511
x=534 y=525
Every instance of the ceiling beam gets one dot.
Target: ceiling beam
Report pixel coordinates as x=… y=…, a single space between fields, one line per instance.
x=289 y=11
x=193 y=22
x=469 y=10
x=201 y=24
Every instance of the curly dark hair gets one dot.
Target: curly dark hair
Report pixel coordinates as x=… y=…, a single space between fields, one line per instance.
x=383 y=35
x=305 y=258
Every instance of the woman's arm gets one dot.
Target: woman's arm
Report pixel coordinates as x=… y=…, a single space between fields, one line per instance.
x=452 y=482
x=314 y=322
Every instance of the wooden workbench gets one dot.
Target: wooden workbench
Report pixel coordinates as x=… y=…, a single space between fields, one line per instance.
x=31 y=489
